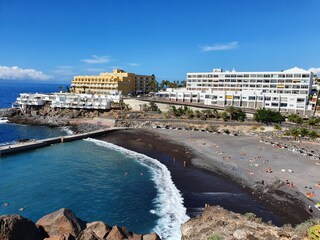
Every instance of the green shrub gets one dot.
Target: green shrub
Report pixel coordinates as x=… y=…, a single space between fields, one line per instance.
x=314 y=232
x=303 y=228
x=268 y=116
x=295 y=118
x=262 y=128
x=277 y=126
x=250 y=216
x=215 y=236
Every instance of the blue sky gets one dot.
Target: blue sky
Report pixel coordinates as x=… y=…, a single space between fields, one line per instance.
x=55 y=40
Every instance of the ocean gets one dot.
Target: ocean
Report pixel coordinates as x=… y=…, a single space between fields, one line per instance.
x=95 y=179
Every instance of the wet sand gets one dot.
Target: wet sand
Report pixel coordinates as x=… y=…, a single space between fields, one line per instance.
x=210 y=176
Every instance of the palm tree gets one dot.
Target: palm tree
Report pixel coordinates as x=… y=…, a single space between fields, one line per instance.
x=295 y=133
x=313 y=135
x=303 y=132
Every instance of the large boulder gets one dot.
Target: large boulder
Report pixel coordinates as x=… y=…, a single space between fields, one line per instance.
x=98 y=229
x=62 y=222
x=151 y=236
x=116 y=234
x=15 y=227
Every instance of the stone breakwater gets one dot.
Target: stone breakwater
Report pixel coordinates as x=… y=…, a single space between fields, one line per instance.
x=64 y=225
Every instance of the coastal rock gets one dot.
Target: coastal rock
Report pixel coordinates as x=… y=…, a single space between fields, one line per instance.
x=96 y=229
x=135 y=237
x=220 y=223
x=116 y=234
x=15 y=227
x=151 y=236
x=88 y=235
x=62 y=222
x=239 y=234
x=8 y=112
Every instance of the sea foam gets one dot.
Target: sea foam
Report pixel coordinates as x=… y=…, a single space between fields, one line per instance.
x=169 y=201
x=67 y=130
x=3 y=120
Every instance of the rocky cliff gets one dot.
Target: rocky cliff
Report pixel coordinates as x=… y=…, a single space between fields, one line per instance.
x=64 y=225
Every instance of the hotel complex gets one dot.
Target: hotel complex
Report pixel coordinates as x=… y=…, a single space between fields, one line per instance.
x=118 y=80
x=286 y=91
x=67 y=100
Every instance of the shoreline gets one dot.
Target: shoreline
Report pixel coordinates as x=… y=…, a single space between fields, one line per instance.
x=199 y=150
x=287 y=203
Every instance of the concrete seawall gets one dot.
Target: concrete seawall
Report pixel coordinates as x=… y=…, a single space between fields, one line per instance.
x=21 y=147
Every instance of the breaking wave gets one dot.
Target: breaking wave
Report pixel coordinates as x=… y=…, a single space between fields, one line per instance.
x=3 y=120
x=168 y=203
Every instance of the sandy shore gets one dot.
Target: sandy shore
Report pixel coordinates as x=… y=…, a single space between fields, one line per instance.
x=254 y=164
x=231 y=158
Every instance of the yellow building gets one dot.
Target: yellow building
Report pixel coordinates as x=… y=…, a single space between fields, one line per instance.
x=118 y=80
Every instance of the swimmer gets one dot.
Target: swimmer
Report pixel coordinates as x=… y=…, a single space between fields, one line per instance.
x=5 y=204
x=21 y=209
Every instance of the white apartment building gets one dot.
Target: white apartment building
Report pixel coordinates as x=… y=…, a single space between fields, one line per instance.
x=286 y=91
x=68 y=100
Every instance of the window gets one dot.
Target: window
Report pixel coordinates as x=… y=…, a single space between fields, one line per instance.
x=252 y=98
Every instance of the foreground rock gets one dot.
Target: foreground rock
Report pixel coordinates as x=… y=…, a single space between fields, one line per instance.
x=15 y=227
x=63 y=225
x=218 y=223
x=62 y=222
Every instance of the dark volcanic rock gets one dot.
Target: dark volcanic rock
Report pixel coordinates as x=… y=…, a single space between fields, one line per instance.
x=61 y=222
x=15 y=227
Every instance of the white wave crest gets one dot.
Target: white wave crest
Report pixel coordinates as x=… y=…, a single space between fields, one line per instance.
x=3 y=120
x=169 y=201
x=67 y=130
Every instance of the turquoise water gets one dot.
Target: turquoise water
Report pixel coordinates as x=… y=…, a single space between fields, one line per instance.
x=96 y=182
x=10 y=133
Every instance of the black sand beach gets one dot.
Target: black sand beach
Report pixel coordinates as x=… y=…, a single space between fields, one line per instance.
x=199 y=186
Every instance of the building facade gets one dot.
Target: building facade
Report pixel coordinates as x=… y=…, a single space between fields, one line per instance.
x=67 y=100
x=287 y=91
x=118 y=80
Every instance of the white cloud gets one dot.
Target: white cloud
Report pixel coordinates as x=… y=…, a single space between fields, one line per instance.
x=315 y=70
x=134 y=64
x=219 y=47
x=97 y=60
x=21 y=73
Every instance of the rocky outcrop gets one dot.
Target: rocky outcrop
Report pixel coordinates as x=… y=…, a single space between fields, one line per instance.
x=46 y=115
x=62 y=222
x=98 y=229
x=63 y=225
x=15 y=227
x=218 y=223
